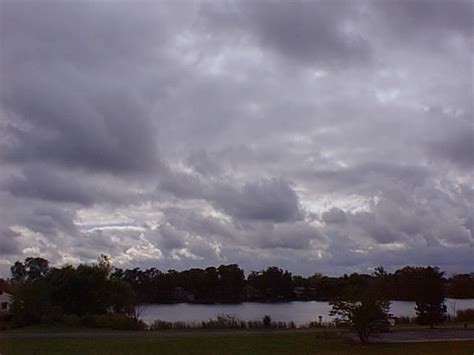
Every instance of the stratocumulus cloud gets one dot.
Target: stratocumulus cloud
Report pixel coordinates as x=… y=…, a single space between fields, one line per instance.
x=319 y=136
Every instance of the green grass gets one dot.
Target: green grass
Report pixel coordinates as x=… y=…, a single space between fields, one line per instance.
x=290 y=343
x=40 y=328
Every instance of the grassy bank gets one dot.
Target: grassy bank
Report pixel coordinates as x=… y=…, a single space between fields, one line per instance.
x=291 y=343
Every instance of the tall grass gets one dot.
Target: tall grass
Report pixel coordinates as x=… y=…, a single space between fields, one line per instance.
x=223 y=321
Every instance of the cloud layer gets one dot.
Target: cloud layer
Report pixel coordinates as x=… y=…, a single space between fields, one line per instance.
x=319 y=136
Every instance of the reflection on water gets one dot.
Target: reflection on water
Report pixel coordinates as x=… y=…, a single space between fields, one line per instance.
x=299 y=312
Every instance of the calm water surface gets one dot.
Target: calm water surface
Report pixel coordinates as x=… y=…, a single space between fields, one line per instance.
x=299 y=312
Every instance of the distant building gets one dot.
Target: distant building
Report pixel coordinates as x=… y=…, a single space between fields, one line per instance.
x=5 y=302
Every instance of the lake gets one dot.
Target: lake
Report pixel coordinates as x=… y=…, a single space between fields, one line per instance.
x=297 y=311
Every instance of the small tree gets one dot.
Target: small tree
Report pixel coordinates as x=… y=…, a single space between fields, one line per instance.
x=361 y=310
x=430 y=308
x=267 y=321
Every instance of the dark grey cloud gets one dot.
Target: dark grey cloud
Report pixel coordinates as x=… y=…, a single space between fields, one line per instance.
x=265 y=199
x=51 y=221
x=181 y=185
x=61 y=125
x=39 y=182
x=297 y=236
x=9 y=244
x=203 y=164
x=323 y=135
x=63 y=90
x=45 y=182
x=424 y=16
x=314 y=33
x=456 y=148
x=170 y=238
x=369 y=178
x=190 y=221
x=272 y=200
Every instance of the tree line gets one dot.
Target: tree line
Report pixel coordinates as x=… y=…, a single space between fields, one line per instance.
x=227 y=283
x=42 y=292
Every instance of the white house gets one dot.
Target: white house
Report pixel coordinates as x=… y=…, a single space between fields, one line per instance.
x=5 y=301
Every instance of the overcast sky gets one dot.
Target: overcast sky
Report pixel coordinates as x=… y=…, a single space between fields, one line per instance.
x=317 y=136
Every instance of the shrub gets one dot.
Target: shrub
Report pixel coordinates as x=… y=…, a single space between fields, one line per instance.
x=160 y=325
x=465 y=315
x=113 y=321
x=404 y=320
x=71 y=320
x=223 y=321
x=267 y=321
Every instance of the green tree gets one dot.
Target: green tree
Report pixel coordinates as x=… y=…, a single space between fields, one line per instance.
x=231 y=282
x=461 y=286
x=83 y=290
x=31 y=296
x=18 y=272
x=32 y=269
x=32 y=303
x=273 y=282
x=122 y=298
x=37 y=268
x=361 y=309
x=430 y=308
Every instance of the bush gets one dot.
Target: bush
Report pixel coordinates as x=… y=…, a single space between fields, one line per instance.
x=267 y=321
x=160 y=325
x=223 y=321
x=404 y=320
x=113 y=321
x=465 y=315
x=71 y=320
x=166 y=325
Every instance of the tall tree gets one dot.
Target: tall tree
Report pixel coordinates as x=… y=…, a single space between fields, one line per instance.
x=430 y=308
x=18 y=272
x=361 y=309
x=231 y=282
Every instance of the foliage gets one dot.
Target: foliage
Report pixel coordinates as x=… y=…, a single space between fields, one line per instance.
x=465 y=315
x=267 y=321
x=32 y=269
x=113 y=321
x=227 y=283
x=430 y=308
x=82 y=290
x=404 y=320
x=362 y=310
x=223 y=321
x=222 y=284
x=461 y=286
x=44 y=295
x=32 y=304
x=273 y=283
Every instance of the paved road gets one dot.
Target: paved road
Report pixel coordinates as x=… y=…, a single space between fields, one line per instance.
x=424 y=335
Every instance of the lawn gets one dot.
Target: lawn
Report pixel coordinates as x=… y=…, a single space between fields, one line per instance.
x=291 y=343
